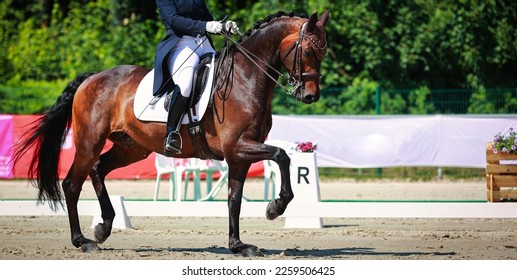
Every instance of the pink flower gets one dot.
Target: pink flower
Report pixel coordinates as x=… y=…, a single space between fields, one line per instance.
x=306 y=147
x=505 y=143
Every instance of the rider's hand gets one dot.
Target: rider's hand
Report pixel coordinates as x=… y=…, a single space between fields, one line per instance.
x=231 y=27
x=214 y=27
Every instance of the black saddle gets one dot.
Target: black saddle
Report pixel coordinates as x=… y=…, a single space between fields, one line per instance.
x=200 y=77
x=199 y=81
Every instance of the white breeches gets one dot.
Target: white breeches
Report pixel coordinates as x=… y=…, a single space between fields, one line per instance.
x=184 y=59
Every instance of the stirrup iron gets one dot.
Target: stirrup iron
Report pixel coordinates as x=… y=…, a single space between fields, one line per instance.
x=169 y=145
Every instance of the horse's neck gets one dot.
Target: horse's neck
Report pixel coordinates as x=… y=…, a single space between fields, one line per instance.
x=265 y=41
x=264 y=44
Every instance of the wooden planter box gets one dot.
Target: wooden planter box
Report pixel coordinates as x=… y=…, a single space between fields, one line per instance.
x=501 y=176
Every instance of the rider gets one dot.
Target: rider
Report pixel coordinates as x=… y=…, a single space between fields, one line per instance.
x=187 y=24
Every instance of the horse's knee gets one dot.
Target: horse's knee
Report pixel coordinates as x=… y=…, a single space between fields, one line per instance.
x=282 y=158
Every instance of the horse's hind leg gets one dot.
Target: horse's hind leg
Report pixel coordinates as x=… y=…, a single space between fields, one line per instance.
x=118 y=156
x=103 y=230
x=72 y=187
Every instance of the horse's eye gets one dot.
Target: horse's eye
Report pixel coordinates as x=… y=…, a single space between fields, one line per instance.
x=307 y=53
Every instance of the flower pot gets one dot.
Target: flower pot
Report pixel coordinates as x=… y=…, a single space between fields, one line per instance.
x=501 y=175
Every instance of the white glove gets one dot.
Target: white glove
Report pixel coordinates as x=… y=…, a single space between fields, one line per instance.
x=214 y=27
x=231 y=27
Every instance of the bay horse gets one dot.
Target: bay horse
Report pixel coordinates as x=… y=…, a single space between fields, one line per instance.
x=99 y=106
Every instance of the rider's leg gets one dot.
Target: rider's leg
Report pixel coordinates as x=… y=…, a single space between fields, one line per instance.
x=177 y=107
x=181 y=63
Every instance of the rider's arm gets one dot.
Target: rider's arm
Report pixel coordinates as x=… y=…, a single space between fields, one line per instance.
x=181 y=25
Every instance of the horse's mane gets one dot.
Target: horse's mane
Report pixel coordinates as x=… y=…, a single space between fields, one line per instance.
x=267 y=19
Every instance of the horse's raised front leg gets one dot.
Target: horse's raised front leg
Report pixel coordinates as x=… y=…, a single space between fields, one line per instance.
x=236 y=186
x=277 y=207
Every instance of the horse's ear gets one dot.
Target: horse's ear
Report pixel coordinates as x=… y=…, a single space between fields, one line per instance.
x=324 y=18
x=311 y=23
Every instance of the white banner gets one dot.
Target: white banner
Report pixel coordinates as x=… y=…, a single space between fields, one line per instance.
x=387 y=141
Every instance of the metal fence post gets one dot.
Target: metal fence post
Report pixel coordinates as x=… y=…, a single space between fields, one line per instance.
x=378 y=112
x=377 y=101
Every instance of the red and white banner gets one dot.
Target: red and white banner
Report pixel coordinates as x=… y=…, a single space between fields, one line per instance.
x=343 y=141
x=12 y=128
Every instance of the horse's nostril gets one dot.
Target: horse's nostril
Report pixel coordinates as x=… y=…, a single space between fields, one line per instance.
x=309 y=98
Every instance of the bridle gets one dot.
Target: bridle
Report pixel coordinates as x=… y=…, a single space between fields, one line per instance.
x=296 y=78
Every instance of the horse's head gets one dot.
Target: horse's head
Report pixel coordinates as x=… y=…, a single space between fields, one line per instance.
x=301 y=54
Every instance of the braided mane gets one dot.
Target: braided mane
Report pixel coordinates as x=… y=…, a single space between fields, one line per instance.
x=267 y=19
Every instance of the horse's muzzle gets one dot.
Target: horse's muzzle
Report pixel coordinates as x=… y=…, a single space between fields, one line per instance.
x=310 y=94
x=306 y=96
x=310 y=98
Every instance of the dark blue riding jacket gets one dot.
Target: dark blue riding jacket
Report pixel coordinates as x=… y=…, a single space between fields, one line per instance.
x=180 y=17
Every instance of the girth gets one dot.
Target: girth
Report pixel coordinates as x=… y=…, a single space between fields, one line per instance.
x=198 y=139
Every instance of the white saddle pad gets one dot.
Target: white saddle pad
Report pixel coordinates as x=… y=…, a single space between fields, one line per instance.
x=145 y=111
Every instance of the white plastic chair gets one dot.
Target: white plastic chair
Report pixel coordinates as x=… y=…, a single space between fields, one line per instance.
x=213 y=190
x=196 y=167
x=272 y=179
x=166 y=165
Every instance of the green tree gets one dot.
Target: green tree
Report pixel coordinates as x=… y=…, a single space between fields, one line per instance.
x=421 y=45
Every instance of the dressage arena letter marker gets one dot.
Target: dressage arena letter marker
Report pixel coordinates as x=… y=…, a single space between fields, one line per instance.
x=305 y=184
x=302 y=173
x=121 y=220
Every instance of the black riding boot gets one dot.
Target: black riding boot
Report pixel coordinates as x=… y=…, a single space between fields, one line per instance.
x=177 y=108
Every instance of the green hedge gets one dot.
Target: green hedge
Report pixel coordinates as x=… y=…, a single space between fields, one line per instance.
x=422 y=45
x=29 y=97
x=84 y=40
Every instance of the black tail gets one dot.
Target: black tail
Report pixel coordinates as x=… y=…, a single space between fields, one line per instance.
x=46 y=135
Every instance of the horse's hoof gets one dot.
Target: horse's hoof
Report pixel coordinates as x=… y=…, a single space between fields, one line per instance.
x=246 y=250
x=101 y=234
x=89 y=247
x=271 y=211
x=252 y=251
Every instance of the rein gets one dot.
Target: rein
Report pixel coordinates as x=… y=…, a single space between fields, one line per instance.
x=253 y=58
x=293 y=79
